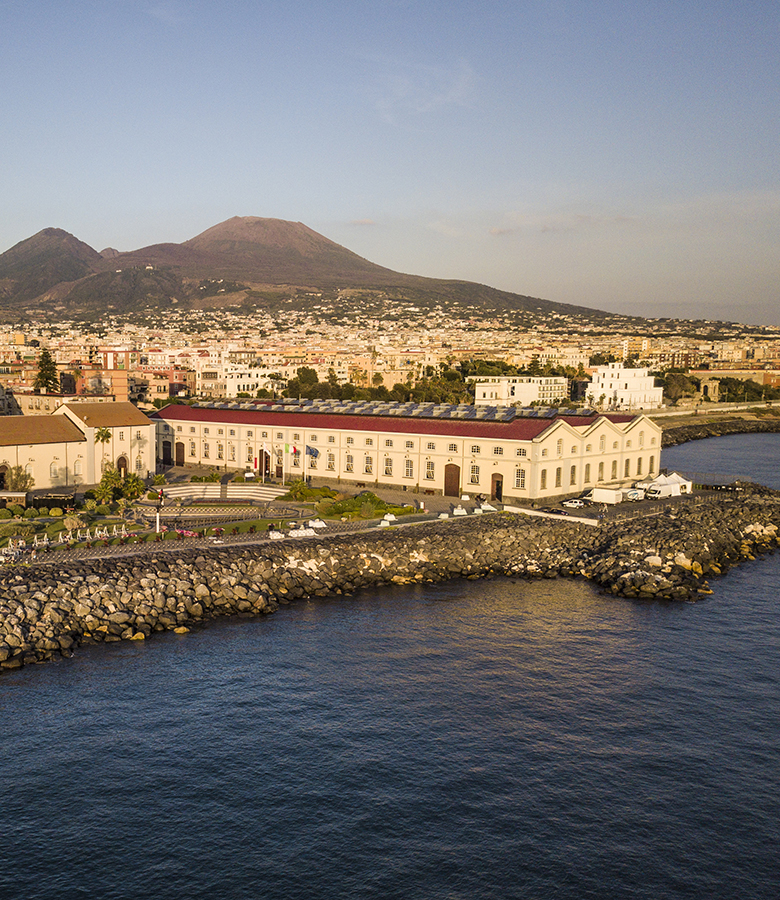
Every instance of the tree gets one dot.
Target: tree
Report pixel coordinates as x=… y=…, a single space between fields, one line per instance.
x=133 y=487
x=47 y=381
x=102 y=436
x=18 y=479
x=110 y=485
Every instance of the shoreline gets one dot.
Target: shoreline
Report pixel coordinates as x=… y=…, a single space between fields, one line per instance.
x=696 y=428
x=46 y=613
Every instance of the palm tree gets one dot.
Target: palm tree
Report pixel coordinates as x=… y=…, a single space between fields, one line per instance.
x=102 y=436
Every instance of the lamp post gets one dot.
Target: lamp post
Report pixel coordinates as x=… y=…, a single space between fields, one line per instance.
x=160 y=501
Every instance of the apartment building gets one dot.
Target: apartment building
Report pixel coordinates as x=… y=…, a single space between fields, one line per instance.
x=519 y=390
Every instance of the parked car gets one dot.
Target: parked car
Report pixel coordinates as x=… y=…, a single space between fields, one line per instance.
x=575 y=503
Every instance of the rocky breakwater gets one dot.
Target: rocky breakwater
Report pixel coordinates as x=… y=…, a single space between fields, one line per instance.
x=696 y=431
x=670 y=556
x=45 y=612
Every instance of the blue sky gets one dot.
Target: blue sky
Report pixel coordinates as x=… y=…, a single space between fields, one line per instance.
x=619 y=155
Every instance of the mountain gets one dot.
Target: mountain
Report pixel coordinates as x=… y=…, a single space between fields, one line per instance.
x=236 y=263
x=47 y=259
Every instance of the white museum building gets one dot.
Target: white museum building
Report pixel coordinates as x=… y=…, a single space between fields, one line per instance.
x=425 y=448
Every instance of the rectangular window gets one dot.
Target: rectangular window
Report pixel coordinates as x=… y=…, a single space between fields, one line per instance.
x=232 y=452
x=313 y=438
x=543 y=480
x=249 y=434
x=121 y=435
x=249 y=454
x=296 y=437
x=349 y=463
x=431 y=445
x=498 y=451
x=614 y=470
x=331 y=461
x=279 y=436
x=651 y=465
x=192 y=448
x=192 y=430
x=475 y=449
x=368 y=468
x=558 y=477
x=388 y=466
x=573 y=475
x=350 y=440
x=220 y=451
x=331 y=439
x=602 y=443
x=205 y=451
x=429 y=470
x=627 y=469
x=587 y=473
x=639 y=466
x=520 y=479
x=388 y=442
x=601 y=471
x=410 y=445
x=312 y=462
x=221 y=431
x=559 y=447
x=138 y=435
x=205 y=431
x=232 y=432
x=521 y=451
x=296 y=459
x=474 y=474
x=408 y=468
x=453 y=448
x=369 y=442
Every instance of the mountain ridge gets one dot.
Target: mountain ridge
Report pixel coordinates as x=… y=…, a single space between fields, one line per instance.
x=55 y=272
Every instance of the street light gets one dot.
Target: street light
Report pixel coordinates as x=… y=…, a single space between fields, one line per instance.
x=160 y=501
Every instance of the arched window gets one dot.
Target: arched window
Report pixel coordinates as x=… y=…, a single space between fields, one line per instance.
x=53 y=473
x=77 y=467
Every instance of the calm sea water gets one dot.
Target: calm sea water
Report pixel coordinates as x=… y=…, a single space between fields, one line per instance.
x=470 y=740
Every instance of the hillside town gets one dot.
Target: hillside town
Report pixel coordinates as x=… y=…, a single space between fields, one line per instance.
x=220 y=355
x=132 y=381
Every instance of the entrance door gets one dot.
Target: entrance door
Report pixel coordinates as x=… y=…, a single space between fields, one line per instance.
x=121 y=465
x=265 y=463
x=497 y=487
x=167 y=456
x=451 y=480
x=179 y=453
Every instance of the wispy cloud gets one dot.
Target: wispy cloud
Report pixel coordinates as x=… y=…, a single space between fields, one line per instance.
x=402 y=90
x=362 y=222
x=559 y=222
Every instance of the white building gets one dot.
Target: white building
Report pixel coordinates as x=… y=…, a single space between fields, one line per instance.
x=60 y=450
x=615 y=387
x=518 y=390
x=421 y=448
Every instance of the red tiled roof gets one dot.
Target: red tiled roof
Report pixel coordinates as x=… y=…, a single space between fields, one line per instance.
x=519 y=429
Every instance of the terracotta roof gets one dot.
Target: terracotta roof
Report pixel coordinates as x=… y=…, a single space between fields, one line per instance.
x=37 y=430
x=108 y=415
x=519 y=429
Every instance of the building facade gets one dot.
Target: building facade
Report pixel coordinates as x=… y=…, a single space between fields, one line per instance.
x=615 y=387
x=424 y=449
x=519 y=390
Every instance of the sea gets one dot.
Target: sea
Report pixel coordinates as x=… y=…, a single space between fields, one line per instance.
x=475 y=739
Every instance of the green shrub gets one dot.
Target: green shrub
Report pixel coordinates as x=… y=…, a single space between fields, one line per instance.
x=43 y=510
x=55 y=511
x=151 y=495
x=103 y=510
x=30 y=513
x=159 y=479
x=170 y=536
x=5 y=514
x=16 y=510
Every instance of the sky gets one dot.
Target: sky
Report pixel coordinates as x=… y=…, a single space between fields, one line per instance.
x=615 y=155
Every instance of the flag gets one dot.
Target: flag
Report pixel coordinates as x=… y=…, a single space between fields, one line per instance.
x=286 y=448
x=312 y=451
